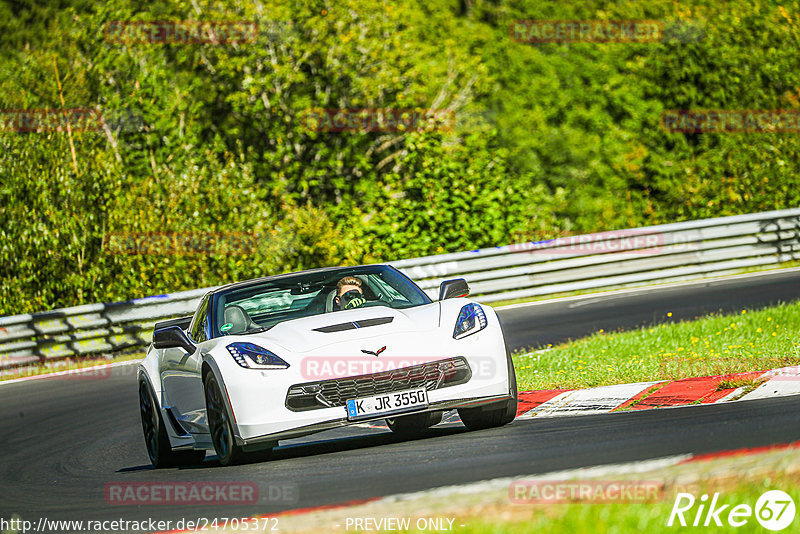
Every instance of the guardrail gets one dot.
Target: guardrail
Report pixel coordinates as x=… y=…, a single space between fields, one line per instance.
x=679 y=251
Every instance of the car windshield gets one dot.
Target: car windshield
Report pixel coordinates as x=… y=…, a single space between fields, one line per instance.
x=260 y=306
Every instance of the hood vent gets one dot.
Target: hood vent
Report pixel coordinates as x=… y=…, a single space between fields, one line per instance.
x=352 y=325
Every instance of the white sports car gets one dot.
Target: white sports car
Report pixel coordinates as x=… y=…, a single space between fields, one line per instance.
x=293 y=354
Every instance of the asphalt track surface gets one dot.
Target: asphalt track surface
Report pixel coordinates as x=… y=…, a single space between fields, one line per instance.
x=561 y=320
x=64 y=440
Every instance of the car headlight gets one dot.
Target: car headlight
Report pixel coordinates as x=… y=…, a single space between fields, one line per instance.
x=471 y=319
x=252 y=356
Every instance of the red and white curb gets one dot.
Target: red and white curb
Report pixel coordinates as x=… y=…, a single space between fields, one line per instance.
x=476 y=487
x=644 y=395
x=627 y=469
x=648 y=395
x=582 y=401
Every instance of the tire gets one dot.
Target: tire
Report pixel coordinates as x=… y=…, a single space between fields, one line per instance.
x=494 y=415
x=219 y=424
x=414 y=423
x=155 y=434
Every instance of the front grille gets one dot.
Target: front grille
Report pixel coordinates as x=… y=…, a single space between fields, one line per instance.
x=336 y=392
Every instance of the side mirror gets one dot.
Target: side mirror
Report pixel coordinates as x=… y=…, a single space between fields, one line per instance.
x=453 y=288
x=172 y=337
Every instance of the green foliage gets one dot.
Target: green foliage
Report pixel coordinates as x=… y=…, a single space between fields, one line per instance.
x=548 y=139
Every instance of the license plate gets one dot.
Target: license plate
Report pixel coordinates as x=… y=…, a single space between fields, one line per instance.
x=387 y=403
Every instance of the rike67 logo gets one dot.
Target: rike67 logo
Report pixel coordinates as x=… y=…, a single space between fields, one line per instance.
x=774 y=510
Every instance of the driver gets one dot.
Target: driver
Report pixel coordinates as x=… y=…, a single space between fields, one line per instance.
x=349 y=294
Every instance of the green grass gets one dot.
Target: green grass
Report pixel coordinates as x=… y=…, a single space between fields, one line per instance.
x=637 y=517
x=734 y=383
x=712 y=345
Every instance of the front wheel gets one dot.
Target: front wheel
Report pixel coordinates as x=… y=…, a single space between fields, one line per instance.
x=416 y=422
x=494 y=415
x=219 y=424
x=155 y=435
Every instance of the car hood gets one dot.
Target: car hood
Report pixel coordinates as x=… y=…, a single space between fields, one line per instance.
x=346 y=327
